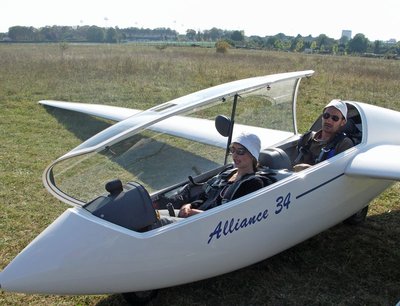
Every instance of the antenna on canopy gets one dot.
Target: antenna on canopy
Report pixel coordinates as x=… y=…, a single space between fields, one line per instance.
x=224 y=125
x=235 y=99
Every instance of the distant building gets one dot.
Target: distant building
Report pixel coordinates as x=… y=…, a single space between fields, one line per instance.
x=346 y=33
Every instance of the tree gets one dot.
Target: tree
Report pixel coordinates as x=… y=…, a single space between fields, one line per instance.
x=237 y=36
x=378 y=46
x=57 y=33
x=278 y=44
x=297 y=44
x=48 y=34
x=344 y=40
x=215 y=34
x=212 y=35
x=313 y=46
x=359 y=44
x=95 y=34
x=256 y=42
x=280 y=36
x=342 y=45
x=199 y=36
x=270 y=43
x=324 y=43
x=190 y=34
x=20 y=33
x=397 y=48
x=111 y=35
x=335 y=49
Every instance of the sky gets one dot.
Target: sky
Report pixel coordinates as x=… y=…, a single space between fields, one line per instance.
x=377 y=20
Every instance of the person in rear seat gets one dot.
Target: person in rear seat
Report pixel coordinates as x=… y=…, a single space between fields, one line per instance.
x=315 y=147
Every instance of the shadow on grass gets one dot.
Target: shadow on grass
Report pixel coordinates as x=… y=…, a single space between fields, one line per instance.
x=345 y=265
x=81 y=125
x=143 y=163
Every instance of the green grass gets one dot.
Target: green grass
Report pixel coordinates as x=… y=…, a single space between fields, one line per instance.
x=341 y=266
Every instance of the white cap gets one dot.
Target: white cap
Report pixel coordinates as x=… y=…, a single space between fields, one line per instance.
x=250 y=141
x=339 y=105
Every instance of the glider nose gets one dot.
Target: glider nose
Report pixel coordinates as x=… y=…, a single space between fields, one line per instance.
x=25 y=272
x=74 y=255
x=34 y=269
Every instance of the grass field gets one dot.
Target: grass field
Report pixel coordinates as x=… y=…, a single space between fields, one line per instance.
x=344 y=265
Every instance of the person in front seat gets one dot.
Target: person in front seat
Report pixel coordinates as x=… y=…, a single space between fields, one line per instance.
x=226 y=186
x=327 y=142
x=234 y=183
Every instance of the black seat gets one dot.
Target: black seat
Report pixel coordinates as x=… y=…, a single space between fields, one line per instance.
x=130 y=207
x=352 y=131
x=274 y=158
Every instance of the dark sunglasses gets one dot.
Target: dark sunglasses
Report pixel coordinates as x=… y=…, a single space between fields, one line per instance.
x=238 y=151
x=328 y=115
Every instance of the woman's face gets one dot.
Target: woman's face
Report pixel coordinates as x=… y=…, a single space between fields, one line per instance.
x=240 y=156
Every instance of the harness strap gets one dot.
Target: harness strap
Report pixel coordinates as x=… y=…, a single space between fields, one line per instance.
x=231 y=189
x=329 y=150
x=303 y=145
x=219 y=190
x=219 y=181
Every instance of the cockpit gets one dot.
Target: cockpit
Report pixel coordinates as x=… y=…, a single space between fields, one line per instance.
x=155 y=152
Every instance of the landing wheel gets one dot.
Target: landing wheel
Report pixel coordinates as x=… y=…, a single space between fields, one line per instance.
x=358 y=217
x=140 y=297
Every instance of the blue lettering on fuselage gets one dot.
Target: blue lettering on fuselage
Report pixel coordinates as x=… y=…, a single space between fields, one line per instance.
x=229 y=226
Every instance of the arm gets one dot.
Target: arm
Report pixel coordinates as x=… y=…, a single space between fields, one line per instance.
x=187 y=211
x=300 y=167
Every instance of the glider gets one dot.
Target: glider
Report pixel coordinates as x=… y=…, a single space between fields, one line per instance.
x=105 y=242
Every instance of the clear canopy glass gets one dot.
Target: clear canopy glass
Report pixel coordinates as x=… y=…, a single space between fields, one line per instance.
x=162 y=146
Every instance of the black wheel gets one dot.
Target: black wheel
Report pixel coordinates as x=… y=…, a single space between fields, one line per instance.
x=140 y=297
x=358 y=217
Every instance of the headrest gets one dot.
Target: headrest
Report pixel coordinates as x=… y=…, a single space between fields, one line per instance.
x=274 y=158
x=114 y=187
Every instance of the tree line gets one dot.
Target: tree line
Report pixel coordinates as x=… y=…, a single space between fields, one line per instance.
x=323 y=44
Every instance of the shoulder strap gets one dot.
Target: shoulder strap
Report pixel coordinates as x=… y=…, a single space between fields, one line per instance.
x=329 y=150
x=218 y=181
x=303 y=146
x=231 y=190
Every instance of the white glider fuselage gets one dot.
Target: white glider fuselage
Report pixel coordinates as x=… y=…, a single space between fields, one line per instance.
x=83 y=254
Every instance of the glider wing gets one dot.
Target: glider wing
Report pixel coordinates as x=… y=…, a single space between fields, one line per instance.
x=378 y=162
x=114 y=113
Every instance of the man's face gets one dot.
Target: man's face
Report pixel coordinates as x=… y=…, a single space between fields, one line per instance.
x=332 y=120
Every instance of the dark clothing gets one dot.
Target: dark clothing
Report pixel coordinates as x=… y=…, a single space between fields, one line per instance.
x=219 y=190
x=314 y=150
x=216 y=191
